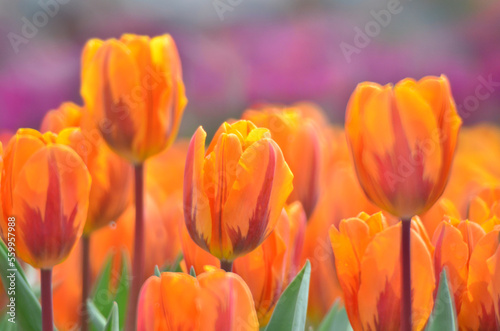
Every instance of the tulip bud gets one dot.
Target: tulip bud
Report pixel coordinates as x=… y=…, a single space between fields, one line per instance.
x=134 y=92
x=45 y=187
x=403 y=139
x=235 y=191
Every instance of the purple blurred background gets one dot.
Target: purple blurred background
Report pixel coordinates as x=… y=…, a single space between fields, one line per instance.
x=239 y=52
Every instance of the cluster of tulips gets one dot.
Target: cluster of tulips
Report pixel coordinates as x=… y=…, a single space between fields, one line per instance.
x=385 y=210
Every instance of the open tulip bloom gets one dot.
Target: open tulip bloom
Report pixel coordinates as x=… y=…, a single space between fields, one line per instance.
x=280 y=222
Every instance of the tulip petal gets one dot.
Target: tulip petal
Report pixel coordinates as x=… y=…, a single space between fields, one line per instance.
x=229 y=304
x=262 y=186
x=196 y=203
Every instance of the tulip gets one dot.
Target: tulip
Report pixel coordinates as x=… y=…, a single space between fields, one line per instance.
x=214 y=300
x=403 y=141
x=133 y=91
x=45 y=187
x=111 y=177
x=235 y=191
x=300 y=140
x=368 y=269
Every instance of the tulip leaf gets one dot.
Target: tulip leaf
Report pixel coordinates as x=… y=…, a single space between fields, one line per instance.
x=157 y=271
x=122 y=291
x=336 y=319
x=444 y=315
x=96 y=318
x=28 y=312
x=104 y=295
x=113 y=322
x=291 y=309
x=192 y=272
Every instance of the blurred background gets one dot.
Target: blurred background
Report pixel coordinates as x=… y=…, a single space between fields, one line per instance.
x=236 y=53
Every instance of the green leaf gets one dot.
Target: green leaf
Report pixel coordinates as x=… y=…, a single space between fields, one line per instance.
x=28 y=313
x=101 y=295
x=122 y=292
x=5 y=325
x=291 y=309
x=96 y=318
x=336 y=319
x=113 y=323
x=157 y=271
x=192 y=272
x=444 y=315
x=103 y=298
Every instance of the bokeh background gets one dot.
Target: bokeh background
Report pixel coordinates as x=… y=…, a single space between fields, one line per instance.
x=236 y=53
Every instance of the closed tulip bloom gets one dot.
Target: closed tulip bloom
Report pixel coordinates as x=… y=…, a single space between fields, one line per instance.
x=300 y=139
x=213 y=301
x=368 y=268
x=134 y=91
x=111 y=175
x=46 y=187
x=235 y=191
x=403 y=139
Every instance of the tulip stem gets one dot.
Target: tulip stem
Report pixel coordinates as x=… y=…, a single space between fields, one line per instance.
x=47 y=317
x=138 y=263
x=85 y=280
x=226 y=265
x=406 y=274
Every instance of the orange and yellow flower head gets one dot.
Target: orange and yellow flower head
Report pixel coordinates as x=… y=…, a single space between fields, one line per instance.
x=214 y=300
x=111 y=175
x=45 y=187
x=234 y=191
x=134 y=91
x=403 y=140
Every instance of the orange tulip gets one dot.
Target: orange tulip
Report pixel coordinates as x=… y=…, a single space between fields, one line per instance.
x=111 y=175
x=368 y=269
x=403 y=139
x=235 y=191
x=133 y=90
x=494 y=288
x=214 y=300
x=300 y=139
x=45 y=186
